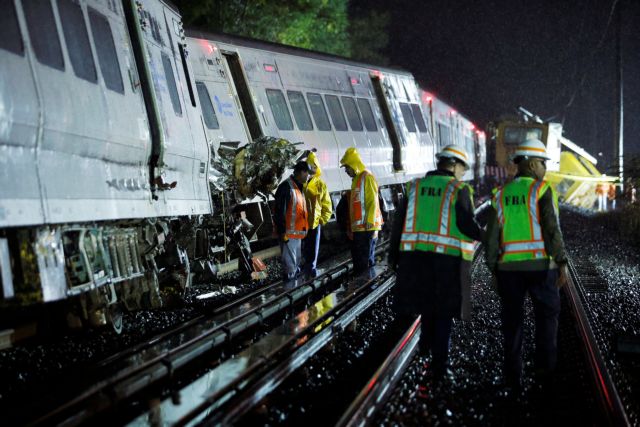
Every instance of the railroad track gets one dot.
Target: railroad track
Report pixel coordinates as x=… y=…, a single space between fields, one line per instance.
x=607 y=394
x=125 y=375
x=583 y=390
x=224 y=394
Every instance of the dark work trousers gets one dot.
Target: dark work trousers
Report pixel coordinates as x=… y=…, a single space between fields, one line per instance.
x=310 y=248
x=541 y=287
x=435 y=336
x=363 y=250
x=428 y=284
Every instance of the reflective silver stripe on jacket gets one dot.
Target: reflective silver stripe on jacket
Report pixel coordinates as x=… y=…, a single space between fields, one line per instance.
x=411 y=205
x=524 y=247
x=362 y=206
x=294 y=203
x=444 y=215
x=499 y=206
x=533 y=211
x=436 y=239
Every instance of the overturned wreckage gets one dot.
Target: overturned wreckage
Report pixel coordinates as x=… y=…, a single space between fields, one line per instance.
x=242 y=179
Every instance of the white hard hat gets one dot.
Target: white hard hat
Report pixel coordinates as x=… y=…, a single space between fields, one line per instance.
x=531 y=148
x=453 y=151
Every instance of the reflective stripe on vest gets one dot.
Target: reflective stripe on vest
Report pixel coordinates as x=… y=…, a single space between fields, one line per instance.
x=410 y=239
x=441 y=238
x=358 y=206
x=522 y=250
x=293 y=222
x=358 y=202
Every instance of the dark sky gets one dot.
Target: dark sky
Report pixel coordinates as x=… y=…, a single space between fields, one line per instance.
x=489 y=57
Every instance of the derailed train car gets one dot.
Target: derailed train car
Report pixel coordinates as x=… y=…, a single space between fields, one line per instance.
x=323 y=102
x=110 y=117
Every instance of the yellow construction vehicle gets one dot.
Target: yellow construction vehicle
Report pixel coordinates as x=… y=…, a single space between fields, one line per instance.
x=571 y=170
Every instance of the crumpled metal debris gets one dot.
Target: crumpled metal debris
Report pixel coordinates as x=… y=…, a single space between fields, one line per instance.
x=254 y=169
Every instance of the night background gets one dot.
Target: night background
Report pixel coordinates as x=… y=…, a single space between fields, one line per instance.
x=556 y=59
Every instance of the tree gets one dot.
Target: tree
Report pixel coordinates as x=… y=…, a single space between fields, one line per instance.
x=311 y=24
x=369 y=37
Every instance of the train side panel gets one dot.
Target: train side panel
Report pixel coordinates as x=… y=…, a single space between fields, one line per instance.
x=180 y=154
x=20 y=197
x=91 y=146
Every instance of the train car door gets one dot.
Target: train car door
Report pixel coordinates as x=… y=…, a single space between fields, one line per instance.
x=180 y=154
x=223 y=120
x=378 y=152
x=391 y=122
x=242 y=94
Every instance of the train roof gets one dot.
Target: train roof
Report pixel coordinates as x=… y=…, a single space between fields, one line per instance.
x=290 y=50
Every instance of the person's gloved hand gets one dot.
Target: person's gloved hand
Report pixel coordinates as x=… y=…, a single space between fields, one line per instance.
x=284 y=238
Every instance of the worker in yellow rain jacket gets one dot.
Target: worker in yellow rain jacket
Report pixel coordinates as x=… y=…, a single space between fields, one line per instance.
x=319 y=211
x=525 y=252
x=431 y=239
x=364 y=211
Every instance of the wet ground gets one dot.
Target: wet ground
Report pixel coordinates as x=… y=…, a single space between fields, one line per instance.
x=475 y=394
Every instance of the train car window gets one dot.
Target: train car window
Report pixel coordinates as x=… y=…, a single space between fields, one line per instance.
x=106 y=51
x=75 y=35
x=367 y=115
x=279 y=109
x=408 y=117
x=352 y=113
x=183 y=56
x=300 y=111
x=417 y=116
x=445 y=135
x=335 y=110
x=10 y=38
x=515 y=135
x=171 y=84
x=209 y=114
x=469 y=144
x=43 y=33
x=319 y=111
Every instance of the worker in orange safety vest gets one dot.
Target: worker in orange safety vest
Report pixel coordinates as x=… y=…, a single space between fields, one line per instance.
x=290 y=218
x=364 y=211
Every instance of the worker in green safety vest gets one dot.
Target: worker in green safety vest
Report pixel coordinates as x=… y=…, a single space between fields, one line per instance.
x=432 y=236
x=525 y=252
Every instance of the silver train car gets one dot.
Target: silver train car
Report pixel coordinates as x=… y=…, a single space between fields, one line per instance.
x=110 y=116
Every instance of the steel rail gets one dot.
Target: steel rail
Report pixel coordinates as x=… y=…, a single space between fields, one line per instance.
x=226 y=405
x=133 y=379
x=373 y=394
x=607 y=392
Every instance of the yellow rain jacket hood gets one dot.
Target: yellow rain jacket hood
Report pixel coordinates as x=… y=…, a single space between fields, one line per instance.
x=319 y=205
x=352 y=159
